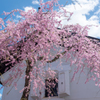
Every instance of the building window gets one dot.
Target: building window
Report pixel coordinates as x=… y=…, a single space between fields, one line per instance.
x=51 y=87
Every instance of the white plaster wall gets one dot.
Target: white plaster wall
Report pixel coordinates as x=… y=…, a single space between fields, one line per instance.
x=10 y=93
x=13 y=94
x=80 y=91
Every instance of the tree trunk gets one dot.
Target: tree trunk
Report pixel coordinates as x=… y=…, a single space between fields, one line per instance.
x=27 y=91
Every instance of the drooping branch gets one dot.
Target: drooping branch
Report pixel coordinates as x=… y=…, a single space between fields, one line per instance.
x=56 y=57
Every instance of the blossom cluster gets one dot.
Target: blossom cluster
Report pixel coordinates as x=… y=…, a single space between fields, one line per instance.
x=37 y=33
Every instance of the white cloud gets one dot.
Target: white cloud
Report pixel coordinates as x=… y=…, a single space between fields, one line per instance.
x=27 y=8
x=0 y=95
x=35 y=2
x=79 y=15
x=18 y=16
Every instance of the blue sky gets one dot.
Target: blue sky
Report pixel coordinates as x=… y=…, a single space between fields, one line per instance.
x=8 y=5
x=86 y=12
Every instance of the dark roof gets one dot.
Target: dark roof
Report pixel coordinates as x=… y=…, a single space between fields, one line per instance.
x=94 y=38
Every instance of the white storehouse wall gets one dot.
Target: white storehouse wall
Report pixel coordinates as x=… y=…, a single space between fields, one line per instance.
x=77 y=91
